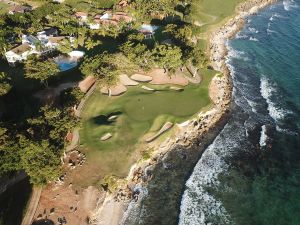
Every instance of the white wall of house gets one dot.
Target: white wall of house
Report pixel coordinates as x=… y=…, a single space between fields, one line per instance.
x=106 y=16
x=13 y=57
x=94 y=26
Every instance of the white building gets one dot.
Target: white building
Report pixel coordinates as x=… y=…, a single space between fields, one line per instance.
x=82 y=16
x=19 y=53
x=19 y=9
x=94 y=26
x=148 y=30
x=45 y=42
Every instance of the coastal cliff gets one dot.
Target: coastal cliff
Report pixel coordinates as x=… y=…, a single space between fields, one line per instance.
x=154 y=188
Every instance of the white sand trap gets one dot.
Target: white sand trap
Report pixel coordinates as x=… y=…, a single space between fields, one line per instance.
x=105 y=137
x=114 y=91
x=160 y=77
x=87 y=83
x=125 y=80
x=112 y=118
x=176 y=88
x=167 y=126
x=147 y=88
x=141 y=78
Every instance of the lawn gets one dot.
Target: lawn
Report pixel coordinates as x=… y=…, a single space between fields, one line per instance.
x=139 y=112
x=85 y=5
x=213 y=11
x=207 y=13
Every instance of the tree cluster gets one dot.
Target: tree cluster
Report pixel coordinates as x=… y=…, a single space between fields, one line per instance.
x=36 y=144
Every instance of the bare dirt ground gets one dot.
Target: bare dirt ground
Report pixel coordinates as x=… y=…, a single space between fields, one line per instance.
x=62 y=199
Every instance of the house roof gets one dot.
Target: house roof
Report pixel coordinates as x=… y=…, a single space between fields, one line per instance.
x=109 y=22
x=122 y=16
x=87 y=83
x=97 y=16
x=80 y=14
x=56 y=39
x=21 y=48
x=123 y=3
x=19 y=8
x=50 y=31
x=32 y=39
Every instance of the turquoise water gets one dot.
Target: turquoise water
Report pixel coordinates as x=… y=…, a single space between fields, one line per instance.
x=66 y=63
x=250 y=175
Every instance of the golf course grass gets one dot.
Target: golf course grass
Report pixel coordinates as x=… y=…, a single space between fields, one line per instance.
x=138 y=113
x=207 y=14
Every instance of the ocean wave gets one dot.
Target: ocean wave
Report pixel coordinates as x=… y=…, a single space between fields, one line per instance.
x=269 y=31
x=289 y=4
x=263 y=136
x=198 y=206
x=276 y=15
x=267 y=90
x=253 y=30
x=232 y=53
x=253 y=39
x=241 y=36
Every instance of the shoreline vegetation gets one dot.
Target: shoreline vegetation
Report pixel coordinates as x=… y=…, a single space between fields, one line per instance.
x=131 y=202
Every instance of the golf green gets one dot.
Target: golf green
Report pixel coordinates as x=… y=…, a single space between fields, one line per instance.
x=133 y=115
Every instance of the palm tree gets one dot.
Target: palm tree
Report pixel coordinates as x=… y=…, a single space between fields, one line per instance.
x=90 y=43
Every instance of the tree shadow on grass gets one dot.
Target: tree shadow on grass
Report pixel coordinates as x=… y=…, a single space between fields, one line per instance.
x=106 y=119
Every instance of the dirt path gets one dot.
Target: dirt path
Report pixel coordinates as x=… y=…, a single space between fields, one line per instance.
x=75 y=140
x=34 y=201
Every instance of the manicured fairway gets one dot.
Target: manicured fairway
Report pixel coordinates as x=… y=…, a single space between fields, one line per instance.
x=213 y=11
x=208 y=13
x=138 y=113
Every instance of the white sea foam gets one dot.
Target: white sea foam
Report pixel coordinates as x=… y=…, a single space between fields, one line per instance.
x=276 y=15
x=232 y=53
x=289 y=4
x=253 y=30
x=253 y=39
x=198 y=206
x=267 y=90
x=241 y=36
x=263 y=136
x=269 y=31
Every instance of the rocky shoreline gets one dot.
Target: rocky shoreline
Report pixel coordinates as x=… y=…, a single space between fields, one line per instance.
x=155 y=186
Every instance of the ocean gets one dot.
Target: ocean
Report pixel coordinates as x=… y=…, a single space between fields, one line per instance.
x=250 y=174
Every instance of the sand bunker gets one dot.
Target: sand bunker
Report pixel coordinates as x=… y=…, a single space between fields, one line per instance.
x=147 y=88
x=87 y=83
x=114 y=91
x=159 y=77
x=105 y=137
x=141 y=78
x=125 y=80
x=167 y=126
